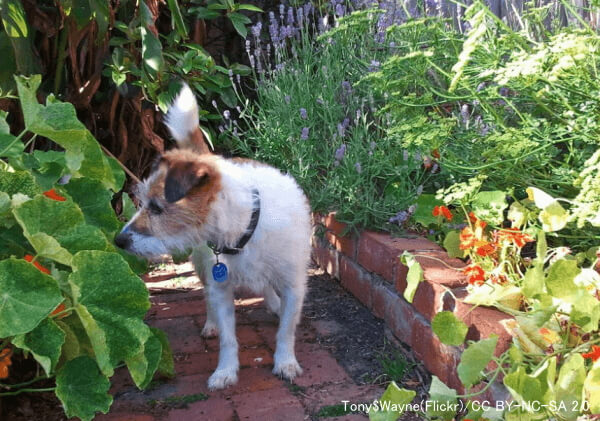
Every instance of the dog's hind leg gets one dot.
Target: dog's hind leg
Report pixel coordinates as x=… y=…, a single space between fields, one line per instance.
x=272 y=300
x=292 y=296
x=221 y=301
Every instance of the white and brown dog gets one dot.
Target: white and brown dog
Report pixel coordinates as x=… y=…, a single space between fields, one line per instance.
x=247 y=223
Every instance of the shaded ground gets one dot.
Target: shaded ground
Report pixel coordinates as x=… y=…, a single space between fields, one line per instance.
x=340 y=345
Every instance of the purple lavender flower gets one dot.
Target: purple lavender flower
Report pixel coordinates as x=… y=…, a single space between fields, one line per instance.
x=358 y=113
x=341 y=129
x=287 y=99
x=464 y=113
x=303 y=113
x=340 y=152
x=340 y=10
x=374 y=66
x=503 y=91
x=304 y=134
x=290 y=16
x=300 y=16
x=214 y=103
x=372 y=145
x=320 y=101
x=308 y=9
x=481 y=86
x=256 y=29
x=346 y=86
x=252 y=62
x=281 y=11
x=358 y=167
x=346 y=123
x=400 y=218
x=221 y=129
x=226 y=114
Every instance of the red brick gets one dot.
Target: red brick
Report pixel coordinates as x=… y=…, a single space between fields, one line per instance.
x=332 y=224
x=248 y=336
x=177 y=296
x=344 y=244
x=255 y=356
x=439 y=359
x=399 y=315
x=378 y=299
x=186 y=364
x=214 y=409
x=378 y=252
x=327 y=259
x=268 y=405
x=161 y=309
x=318 y=365
x=430 y=299
x=183 y=333
x=356 y=280
x=436 y=271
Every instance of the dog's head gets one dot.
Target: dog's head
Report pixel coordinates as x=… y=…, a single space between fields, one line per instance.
x=177 y=196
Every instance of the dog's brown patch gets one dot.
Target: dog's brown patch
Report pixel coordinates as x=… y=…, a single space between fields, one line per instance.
x=181 y=191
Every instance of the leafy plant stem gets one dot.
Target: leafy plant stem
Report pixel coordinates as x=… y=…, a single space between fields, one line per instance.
x=27 y=390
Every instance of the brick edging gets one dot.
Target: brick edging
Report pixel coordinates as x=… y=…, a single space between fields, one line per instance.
x=367 y=265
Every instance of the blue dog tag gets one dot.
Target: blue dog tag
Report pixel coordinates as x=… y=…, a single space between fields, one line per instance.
x=219 y=272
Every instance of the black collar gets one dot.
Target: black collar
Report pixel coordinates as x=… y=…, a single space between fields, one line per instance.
x=249 y=231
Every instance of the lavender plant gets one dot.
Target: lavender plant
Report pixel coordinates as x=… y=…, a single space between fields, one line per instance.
x=311 y=120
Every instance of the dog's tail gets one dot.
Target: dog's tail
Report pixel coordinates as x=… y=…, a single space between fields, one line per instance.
x=182 y=121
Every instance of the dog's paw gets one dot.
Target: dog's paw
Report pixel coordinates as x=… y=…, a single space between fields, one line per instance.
x=288 y=369
x=209 y=330
x=222 y=378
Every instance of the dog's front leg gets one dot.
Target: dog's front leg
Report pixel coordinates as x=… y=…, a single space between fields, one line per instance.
x=285 y=363
x=220 y=298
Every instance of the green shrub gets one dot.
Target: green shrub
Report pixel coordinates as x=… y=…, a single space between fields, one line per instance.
x=70 y=299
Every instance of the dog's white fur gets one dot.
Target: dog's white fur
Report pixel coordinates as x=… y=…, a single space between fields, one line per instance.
x=273 y=263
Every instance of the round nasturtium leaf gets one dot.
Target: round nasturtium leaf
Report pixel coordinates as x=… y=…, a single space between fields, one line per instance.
x=449 y=329
x=27 y=296
x=82 y=389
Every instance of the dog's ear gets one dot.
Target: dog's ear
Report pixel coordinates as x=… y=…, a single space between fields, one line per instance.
x=182 y=177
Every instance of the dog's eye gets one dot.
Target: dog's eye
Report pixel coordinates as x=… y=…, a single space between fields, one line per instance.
x=154 y=208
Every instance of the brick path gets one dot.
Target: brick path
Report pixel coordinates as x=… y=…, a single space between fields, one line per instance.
x=259 y=395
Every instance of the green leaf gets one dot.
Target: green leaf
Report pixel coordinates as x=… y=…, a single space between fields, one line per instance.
x=533 y=281
x=443 y=399
x=559 y=280
x=489 y=206
x=42 y=218
x=94 y=201
x=414 y=276
x=44 y=342
x=523 y=387
x=569 y=386
x=239 y=22
x=82 y=389
x=58 y=121
x=143 y=365
x=424 y=208
x=128 y=207
x=18 y=182
x=517 y=214
x=27 y=296
x=111 y=302
x=394 y=396
x=249 y=7
x=151 y=47
x=474 y=360
x=177 y=18
x=166 y=366
x=591 y=388
x=452 y=244
x=449 y=329
x=10 y=146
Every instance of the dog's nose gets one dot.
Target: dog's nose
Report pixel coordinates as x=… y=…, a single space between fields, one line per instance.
x=123 y=240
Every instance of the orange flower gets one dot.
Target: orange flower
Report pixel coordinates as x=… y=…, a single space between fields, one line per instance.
x=486 y=249
x=52 y=194
x=475 y=275
x=435 y=153
x=41 y=268
x=594 y=355
x=5 y=361
x=61 y=307
x=515 y=236
x=472 y=237
x=472 y=217
x=442 y=211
